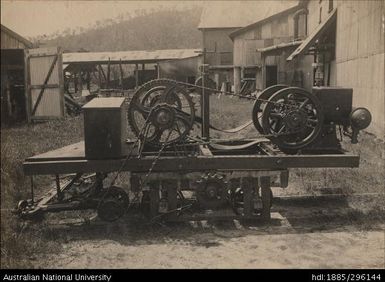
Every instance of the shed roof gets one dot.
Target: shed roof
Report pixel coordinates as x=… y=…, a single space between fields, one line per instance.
x=317 y=33
x=237 y=14
x=288 y=10
x=129 y=56
x=18 y=37
x=280 y=46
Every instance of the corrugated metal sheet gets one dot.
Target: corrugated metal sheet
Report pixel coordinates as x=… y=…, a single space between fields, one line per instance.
x=49 y=104
x=227 y=14
x=130 y=56
x=38 y=70
x=314 y=35
x=360 y=56
x=12 y=40
x=52 y=101
x=273 y=25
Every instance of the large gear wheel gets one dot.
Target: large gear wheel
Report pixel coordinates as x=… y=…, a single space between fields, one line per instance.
x=212 y=191
x=165 y=108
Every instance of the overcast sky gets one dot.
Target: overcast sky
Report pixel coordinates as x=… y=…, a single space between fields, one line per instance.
x=33 y=17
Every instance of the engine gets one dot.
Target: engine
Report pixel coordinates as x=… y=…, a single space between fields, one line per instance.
x=296 y=120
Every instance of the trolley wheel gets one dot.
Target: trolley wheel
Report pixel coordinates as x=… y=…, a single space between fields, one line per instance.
x=236 y=200
x=113 y=204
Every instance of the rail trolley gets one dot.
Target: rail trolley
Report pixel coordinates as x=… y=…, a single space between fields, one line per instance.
x=175 y=176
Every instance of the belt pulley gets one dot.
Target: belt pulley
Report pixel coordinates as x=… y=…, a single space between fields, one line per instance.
x=290 y=117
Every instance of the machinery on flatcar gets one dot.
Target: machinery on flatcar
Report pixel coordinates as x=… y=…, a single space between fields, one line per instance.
x=176 y=176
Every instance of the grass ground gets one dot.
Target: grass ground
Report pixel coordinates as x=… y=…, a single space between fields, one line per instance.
x=18 y=143
x=18 y=248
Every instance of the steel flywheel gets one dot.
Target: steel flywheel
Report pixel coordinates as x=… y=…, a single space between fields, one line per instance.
x=165 y=111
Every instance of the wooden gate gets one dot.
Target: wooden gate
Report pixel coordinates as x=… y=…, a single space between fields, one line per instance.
x=44 y=83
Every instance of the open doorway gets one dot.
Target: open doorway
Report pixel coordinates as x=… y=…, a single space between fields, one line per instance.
x=271 y=75
x=13 y=102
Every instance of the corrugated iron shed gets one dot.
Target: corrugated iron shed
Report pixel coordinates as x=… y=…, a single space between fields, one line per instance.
x=12 y=40
x=270 y=17
x=129 y=56
x=230 y=14
x=309 y=41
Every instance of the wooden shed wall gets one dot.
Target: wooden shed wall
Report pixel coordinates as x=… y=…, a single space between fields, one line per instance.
x=10 y=42
x=270 y=33
x=359 y=62
x=360 y=56
x=219 y=40
x=318 y=10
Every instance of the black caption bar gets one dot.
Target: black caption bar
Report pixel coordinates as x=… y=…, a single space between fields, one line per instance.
x=109 y=275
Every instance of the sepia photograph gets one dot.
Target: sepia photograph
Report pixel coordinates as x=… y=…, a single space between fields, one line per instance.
x=192 y=135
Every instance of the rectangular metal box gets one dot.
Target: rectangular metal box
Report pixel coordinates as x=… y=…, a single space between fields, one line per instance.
x=336 y=103
x=105 y=128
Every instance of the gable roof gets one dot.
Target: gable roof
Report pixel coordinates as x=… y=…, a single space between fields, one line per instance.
x=17 y=36
x=237 y=14
x=242 y=30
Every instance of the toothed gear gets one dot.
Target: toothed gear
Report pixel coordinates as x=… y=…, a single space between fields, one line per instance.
x=212 y=191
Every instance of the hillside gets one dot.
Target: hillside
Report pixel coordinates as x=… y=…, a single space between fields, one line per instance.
x=158 y=30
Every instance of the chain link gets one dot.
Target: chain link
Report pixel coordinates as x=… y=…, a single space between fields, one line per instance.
x=155 y=160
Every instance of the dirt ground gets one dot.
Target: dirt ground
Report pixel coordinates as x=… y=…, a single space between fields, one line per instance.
x=324 y=236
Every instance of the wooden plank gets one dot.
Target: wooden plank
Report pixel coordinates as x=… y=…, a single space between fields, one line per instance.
x=108 y=73
x=73 y=151
x=99 y=77
x=27 y=81
x=171 y=187
x=186 y=164
x=61 y=81
x=42 y=55
x=247 y=185
x=104 y=74
x=53 y=192
x=154 y=198
x=121 y=74
x=41 y=86
x=266 y=197
x=136 y=76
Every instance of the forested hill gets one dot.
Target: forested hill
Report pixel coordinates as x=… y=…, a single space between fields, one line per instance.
x=157 y=30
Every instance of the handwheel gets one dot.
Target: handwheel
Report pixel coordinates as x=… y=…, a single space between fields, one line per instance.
x=293 y=117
